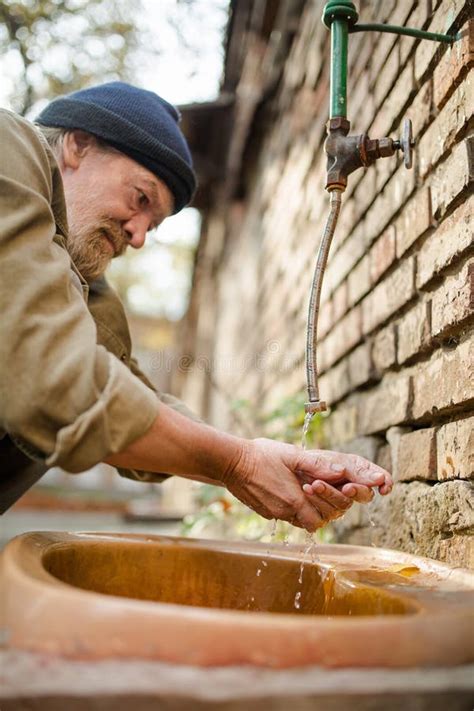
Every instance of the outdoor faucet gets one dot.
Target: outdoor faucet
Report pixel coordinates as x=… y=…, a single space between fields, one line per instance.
x=345 y=154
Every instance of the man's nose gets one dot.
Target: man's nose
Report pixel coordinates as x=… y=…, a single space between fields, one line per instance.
x=136 y=229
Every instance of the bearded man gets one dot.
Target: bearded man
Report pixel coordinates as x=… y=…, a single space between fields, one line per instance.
x=71 y=395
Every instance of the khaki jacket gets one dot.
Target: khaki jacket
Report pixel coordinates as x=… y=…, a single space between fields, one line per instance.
x=70 y=392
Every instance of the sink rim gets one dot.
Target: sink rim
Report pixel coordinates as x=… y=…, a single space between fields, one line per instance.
x=29 y=581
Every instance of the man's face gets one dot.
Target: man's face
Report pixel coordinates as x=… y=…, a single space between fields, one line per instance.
x=111 y=200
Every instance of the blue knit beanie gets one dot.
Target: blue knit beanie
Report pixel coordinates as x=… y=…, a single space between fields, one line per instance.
x=136 y=122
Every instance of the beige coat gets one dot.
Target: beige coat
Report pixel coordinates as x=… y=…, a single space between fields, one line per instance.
x=70 y=393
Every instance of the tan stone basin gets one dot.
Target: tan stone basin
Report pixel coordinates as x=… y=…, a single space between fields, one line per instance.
x=204 y=603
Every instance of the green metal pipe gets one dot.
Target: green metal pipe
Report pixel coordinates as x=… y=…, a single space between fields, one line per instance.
x=409 y=31
x=338 y=94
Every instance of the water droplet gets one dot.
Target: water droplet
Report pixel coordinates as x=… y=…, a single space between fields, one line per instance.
x=309 y=549
x=264 y=563
x=273 y=529
x=298 y=600
x=259 y=572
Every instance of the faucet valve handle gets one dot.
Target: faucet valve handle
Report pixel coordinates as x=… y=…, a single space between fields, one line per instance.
x=406 y=143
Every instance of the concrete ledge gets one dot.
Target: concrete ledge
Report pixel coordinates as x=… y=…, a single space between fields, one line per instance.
x=33 y=682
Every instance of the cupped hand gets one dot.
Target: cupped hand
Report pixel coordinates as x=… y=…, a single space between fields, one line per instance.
x=351 y=474
x=268 y=476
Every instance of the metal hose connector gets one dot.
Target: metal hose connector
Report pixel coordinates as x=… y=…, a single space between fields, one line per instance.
x=314 y=404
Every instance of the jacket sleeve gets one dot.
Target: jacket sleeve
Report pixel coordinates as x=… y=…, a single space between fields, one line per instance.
x=171 y=401
x=64 y=396
x=114 y=334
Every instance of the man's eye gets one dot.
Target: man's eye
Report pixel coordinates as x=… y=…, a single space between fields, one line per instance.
x=143 y=200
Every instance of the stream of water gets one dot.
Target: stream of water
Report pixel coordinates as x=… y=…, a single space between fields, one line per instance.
x=310 y=550
x=307 y=422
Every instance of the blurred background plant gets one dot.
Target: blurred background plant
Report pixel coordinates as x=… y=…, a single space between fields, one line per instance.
x=52 y=47
x=59 y=46
x=221 y=515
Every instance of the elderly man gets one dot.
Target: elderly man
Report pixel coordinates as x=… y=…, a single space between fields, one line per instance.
x=71 y=395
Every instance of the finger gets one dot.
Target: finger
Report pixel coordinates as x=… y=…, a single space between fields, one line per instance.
x=333 y=500
x=338 y=467
x=327 y=511
x=357 y=492
x=303 y=477
x=316 y=464
x=362 y=471
x=386 y=487
x=309 y=518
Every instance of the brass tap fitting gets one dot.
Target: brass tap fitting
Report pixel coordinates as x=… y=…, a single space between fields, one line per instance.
x=313 y=406
x=347 y=153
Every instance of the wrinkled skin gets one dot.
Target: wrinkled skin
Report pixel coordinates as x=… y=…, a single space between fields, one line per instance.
x=307 y=488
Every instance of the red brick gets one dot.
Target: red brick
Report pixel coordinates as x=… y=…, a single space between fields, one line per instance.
x=340 y=302
x=414 y=221
x=414 y=332
x=382 y=254
x=457 y=551
x=345 y=223
x=360 y=365
x=385 y=77
x=384 y=405
x=419 y=110
x=325 y=319
x=441 y=22
x=343 y=337
x=444 y=130
x=392 y=435
x=460 y=169
x=445 y=381
x=417 y=456
x=359 y=281
x=384 y=169
x=453 y=302
x=458 y=57
x=455 y=444
x=335 y=383
x=447 y=243
x=367 y=447
x=357 y=98
x=343 y=261
x=385 y=42
x=417 y=19
x=384 y=458
x=365 y=192
x=388 y=296
x=384 y=349
x=341 y=425
x=387 y=204
x=400 y=95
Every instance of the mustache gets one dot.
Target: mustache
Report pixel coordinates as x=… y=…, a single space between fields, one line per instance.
x=111 y=229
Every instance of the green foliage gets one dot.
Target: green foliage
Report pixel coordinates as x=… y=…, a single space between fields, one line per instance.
x=64 y=45
x=285 y=421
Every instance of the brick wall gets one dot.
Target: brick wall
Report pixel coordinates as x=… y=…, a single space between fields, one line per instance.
x=396 y=341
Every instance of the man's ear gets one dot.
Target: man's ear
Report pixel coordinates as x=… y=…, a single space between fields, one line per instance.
x=75 y=146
